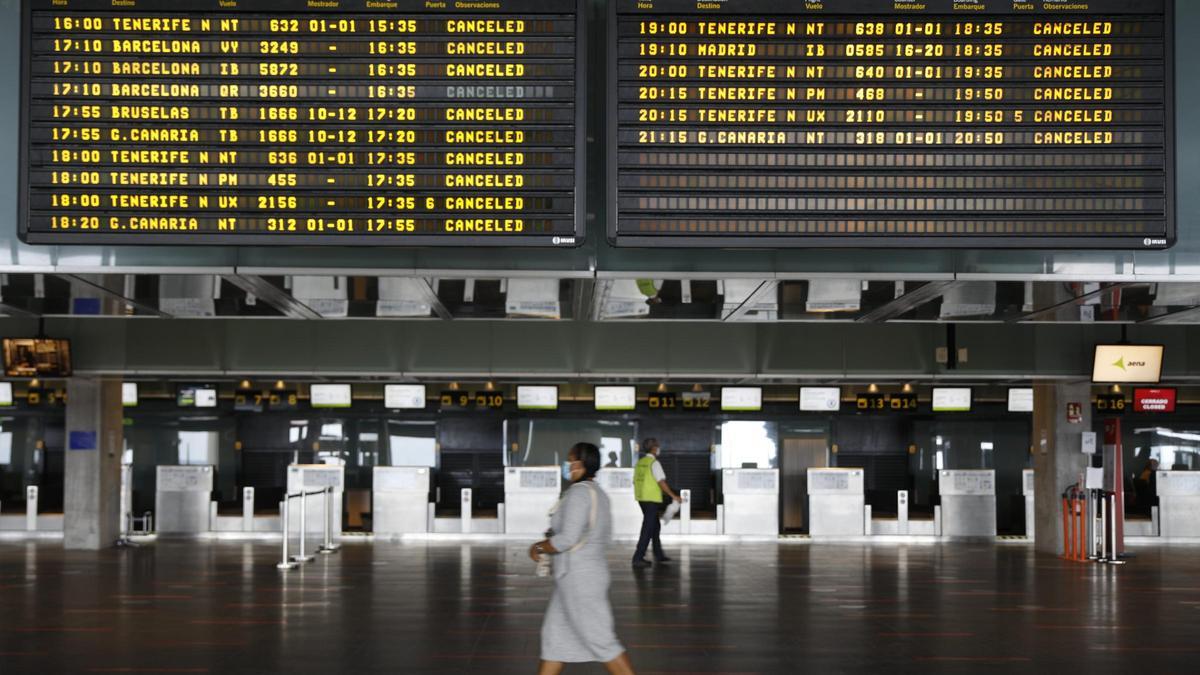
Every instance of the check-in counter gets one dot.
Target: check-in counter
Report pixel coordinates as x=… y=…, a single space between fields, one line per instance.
x=310 y=477
x=618 y=485
x=1027 y=491
x=529 y=494
x=836 y=502
x=401 y=500
x=968 y=502
x=1178 y=503
x=181 y=499
x=751 y=499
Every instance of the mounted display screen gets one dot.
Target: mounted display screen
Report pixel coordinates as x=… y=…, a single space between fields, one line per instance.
x=296 y=122
x=404 y=396
x=611 y=398
x=537 y=397
x=37 y=357
x=951 y=399
x=881 y=123
x=331 y=396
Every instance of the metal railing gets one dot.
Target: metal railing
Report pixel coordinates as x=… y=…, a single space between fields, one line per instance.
x=291 y=562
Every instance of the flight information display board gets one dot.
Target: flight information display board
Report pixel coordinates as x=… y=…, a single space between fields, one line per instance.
x=939 y=123
x=385 y=122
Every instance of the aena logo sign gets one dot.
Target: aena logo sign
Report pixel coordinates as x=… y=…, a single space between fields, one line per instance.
x=1120 y=363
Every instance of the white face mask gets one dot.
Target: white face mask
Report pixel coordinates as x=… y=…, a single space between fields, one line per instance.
x=566 y=471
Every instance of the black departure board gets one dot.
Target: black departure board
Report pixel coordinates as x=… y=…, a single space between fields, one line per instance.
x=299 y=122
x=881 y=123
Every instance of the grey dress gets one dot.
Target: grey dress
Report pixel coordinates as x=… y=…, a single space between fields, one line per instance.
x=579 y=623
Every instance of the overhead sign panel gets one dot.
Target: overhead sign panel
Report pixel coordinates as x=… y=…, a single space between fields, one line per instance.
x=1138 y=364
x=1154 y=400
x=285 y=122
x=881 y=123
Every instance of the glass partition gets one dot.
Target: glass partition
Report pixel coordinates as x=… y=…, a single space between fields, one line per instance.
x=412 y=443
x=545 y=441
x=747 y=444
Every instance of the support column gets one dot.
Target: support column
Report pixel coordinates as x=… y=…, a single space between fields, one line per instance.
x=1058 y=459
x=95 y=441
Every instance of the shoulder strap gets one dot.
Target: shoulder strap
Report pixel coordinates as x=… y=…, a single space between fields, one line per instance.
x=591 y=519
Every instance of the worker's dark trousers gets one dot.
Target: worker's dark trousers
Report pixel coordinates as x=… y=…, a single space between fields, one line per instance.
x=650 y=530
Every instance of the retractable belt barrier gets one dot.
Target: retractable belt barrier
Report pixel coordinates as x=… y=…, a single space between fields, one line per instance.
x=327 y=547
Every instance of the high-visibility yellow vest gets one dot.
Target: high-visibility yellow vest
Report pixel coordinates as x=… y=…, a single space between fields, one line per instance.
x=645 y=488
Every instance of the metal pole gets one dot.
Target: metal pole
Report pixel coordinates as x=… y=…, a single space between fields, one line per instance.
x=303 y=557
x=284 y=562
x=328 y=546
x=1116 y=552
x=1103 y=530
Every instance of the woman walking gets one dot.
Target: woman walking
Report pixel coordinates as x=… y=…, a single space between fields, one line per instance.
x=578 y=627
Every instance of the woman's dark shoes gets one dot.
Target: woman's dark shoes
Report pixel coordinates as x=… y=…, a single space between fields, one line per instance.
x=641 y=564
x=662 y=559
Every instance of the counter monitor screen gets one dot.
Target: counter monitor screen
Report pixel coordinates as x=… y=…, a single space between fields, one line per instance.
x=760 y=123
x=404 y=396
x=285 y=122
x=537 y=397
x=1020 y=399
x=820 y=399
x=6 y=394
x=613 y=398
x=741 y=399
x=951 y=399
x=37 y=357
x=331 y=395
x=196 y=396
x=129 y=394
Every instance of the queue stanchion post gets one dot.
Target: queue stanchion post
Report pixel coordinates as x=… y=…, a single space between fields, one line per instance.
x=1066 y=527
x=303 y=557
x=1115 y=557
x=285 y=563
x=328 y=546
x=1081 y=508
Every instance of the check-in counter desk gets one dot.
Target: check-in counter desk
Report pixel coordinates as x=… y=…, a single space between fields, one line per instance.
x=626 y=514
x=968 y=503
x=401 y=500
x=529 y=494
x=836 y=502
x=751 y=499
x=181 y=499
x=1178 y=503
x=310 y=477
x=1027 y=491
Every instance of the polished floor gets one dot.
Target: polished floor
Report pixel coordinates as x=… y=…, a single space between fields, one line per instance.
x=222 y=607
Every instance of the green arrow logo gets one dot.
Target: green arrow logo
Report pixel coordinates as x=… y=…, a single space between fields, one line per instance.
x=1120 y=363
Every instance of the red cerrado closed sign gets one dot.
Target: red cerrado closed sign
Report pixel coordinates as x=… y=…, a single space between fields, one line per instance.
x=1154 y=400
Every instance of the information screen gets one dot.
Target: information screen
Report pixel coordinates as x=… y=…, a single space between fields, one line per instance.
x=886 y=123
x=301 y=122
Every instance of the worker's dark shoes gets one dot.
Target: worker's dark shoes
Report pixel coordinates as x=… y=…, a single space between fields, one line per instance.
x=640 y=564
